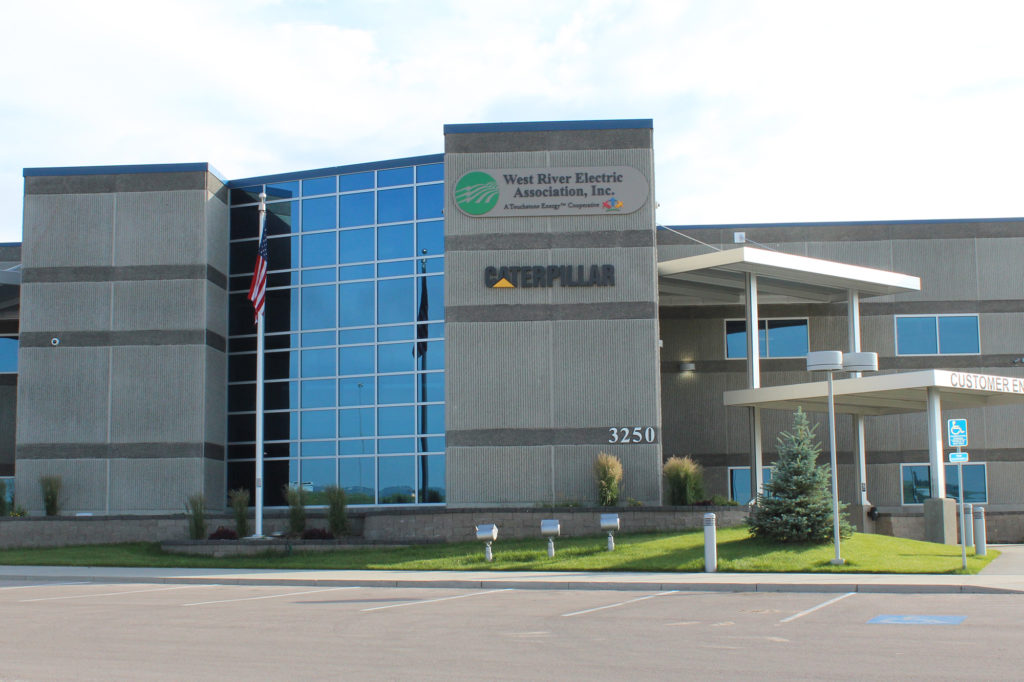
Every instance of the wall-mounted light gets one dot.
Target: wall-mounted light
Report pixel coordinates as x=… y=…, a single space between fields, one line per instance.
x=686 y=367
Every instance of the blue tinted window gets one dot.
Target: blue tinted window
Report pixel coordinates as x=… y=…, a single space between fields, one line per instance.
x=396 y=268
x=958 y=334
x=916 y=336
x=434 y=358
x=352 y=272
x=395 y=388
x=434 y=171
x=429 y=201
x=396 y=480
x=8 y=354
x=318 y=424
x=318 y=393
x=318 y=307
x=396 y=357
x=434 y=265
x=318 y=339
x=776 y=338
x=355 y=360
x=282 y=217
x=318 y=249
x=431 y=387
x=395 y=300
x=318 y=275
x=356 y=447
x=432 y=486
x=434 y=419
x=318 y=186
x=394 y=205
x=739 y=483
x=320 y=448
x=347 y=183
x=400 y=333
x=430 y=236
x=386 y=446
x=350 y=336
x=395 y=241
x=355 y=209
x=430 y=444
x=319 y=214
x=435 y=298
x=282 y=190
x=355 y=246
x=917 y=478
x=357 y=391
x=317 y=474
x=356 y=423
x=394 y=176
x=283 y=252
x=357 y=476
x=396 y=421
x=318 y=363
x=356 y=303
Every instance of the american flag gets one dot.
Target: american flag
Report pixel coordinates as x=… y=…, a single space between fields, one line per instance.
x=258 y=287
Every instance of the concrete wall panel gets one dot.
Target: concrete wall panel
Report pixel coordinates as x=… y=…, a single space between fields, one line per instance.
x=65 y=306
x=181 y=305
x=216 y=318
x=215 y=412
x=157 y=395
x=947 y=268
x=502 y=475
x=217 y=226
x=160 y=228
x=83 y=489
x=63 y=396
x=68 y=230
x=139 y=486
x=999 y=268
x=1002 y=333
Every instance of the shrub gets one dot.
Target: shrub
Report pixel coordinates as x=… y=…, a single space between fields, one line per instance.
x=18 y=510
x=797 y=503
x=317 y=534
x=296 y=499
x=4 y=511
x=337 y=516
x=51 y=494
x=723 y=501
x=239 y=501
x=608 y=470
x=685 y=480
x=195 y=511
x=223 y=533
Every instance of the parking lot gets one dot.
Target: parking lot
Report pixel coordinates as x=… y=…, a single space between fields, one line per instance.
x=135 y=631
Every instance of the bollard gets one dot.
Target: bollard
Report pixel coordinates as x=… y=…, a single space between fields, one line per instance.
x=979 y=532
x=968 y=513
x=710 y=544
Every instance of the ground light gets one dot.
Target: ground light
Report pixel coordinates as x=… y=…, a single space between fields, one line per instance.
x=833 y=361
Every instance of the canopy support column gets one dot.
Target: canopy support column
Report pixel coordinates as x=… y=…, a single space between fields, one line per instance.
x=859 y=447
x=754 y=381
x=935 y=464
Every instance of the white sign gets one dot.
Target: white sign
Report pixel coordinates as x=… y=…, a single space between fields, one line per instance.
x=573 y=190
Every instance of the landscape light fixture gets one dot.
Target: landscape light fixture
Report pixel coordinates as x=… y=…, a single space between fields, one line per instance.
x=610 y=523
x=833 y=361
x=551 y=529
x=488 y=532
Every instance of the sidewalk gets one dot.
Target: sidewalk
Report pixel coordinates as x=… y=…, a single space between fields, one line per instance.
x=1005 y=575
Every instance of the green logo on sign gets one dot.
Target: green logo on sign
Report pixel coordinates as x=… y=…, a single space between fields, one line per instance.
x=476 y=193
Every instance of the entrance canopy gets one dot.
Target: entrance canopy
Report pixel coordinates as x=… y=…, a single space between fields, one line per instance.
x=887 y=394
x=720 y=277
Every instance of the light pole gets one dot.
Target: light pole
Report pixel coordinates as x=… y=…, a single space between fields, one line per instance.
x=833 y=361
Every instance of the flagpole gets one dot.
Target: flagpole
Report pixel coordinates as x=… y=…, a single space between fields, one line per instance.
x=260 y=325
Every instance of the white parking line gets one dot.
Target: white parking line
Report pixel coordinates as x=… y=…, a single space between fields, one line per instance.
x=271 y=596
x=815 y=608
x=621 y=603
x=430 y=601
x=113 y=594
x=22 y=587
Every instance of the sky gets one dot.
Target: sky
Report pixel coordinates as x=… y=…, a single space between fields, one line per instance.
x=778 y=111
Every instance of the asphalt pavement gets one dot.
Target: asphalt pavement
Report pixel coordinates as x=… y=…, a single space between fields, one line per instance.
x=1004 y=575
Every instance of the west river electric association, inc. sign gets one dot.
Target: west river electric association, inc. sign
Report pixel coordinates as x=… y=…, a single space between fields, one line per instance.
x=528 y=192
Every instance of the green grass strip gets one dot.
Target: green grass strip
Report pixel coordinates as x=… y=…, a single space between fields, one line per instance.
x=668 y=552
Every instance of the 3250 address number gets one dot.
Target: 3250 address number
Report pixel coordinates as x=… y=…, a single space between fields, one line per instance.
x=631 y=434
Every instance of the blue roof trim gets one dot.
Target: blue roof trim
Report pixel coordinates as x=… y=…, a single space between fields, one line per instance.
x=843 y=223
x=337 y=170
x=120 y=170
x=536 y=126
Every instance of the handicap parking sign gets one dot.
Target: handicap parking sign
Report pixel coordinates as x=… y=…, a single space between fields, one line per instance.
x=956 y=431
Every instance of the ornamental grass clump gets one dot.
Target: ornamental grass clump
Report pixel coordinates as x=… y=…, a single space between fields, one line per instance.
x=796 y=505
x=608 y=471
x=239 y=501
x=685 y=479
x=4 y=511
x=195 y=512
x=295 y=496
x=51 y=486
x=337 y=515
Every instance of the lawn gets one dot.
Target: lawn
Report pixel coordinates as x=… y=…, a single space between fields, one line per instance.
x=683 y=552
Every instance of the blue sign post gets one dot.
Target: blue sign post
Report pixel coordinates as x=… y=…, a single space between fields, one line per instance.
x=956 y=434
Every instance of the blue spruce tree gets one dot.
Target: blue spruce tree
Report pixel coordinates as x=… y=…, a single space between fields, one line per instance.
x=797 y=503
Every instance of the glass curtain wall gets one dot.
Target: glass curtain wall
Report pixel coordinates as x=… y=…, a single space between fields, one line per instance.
x=354 y=369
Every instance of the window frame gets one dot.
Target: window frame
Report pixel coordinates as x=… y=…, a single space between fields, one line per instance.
x=938 y=338
x=766 y=476
x=768 y=349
